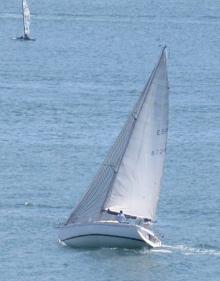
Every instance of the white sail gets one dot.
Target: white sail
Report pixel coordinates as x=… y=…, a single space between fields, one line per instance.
x=137 y=184
x=26 y=17
x=130 y=177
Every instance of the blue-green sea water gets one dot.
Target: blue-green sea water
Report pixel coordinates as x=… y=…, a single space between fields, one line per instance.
x=63 y=100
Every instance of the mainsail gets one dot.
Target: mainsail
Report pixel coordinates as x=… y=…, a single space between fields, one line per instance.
x=26 y=17
x=130 y=177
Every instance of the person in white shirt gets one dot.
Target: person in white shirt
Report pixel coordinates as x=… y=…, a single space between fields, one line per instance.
x=121 y=217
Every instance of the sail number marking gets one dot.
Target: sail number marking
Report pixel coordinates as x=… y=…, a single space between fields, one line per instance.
x=162 y=131
x=158 y=151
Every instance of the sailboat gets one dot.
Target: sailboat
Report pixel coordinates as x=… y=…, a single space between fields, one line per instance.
x=26 y=21
x=129 y=179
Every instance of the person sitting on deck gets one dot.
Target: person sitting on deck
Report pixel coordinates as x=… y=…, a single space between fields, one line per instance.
x=121 y=217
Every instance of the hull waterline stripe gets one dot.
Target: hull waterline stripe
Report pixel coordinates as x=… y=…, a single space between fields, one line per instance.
x=108 y=235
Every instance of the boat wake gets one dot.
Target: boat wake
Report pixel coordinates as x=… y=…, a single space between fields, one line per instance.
x=187 y=250
x=162 y=250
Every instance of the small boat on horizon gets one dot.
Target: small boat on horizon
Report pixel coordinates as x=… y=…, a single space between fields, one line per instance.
x=129 y=180
x=26 y=22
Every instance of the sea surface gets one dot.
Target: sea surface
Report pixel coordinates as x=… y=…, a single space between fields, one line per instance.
x=63 y=100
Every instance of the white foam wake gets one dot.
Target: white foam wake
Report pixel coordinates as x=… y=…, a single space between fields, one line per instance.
x=186 y=250
x=162 y=250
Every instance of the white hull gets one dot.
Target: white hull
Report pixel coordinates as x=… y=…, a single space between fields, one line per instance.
x=107 y=234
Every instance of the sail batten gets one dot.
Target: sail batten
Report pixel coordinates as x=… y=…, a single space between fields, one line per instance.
x=130 y=177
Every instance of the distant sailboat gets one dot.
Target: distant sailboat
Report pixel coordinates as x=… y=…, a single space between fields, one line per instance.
x=26 y=21
x=129 y=179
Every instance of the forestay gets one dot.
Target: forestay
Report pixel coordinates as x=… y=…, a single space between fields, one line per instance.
x=26 y=17
x=130 y=177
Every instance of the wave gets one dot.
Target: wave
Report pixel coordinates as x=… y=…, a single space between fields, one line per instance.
x=29 y=204
x=42 y=206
